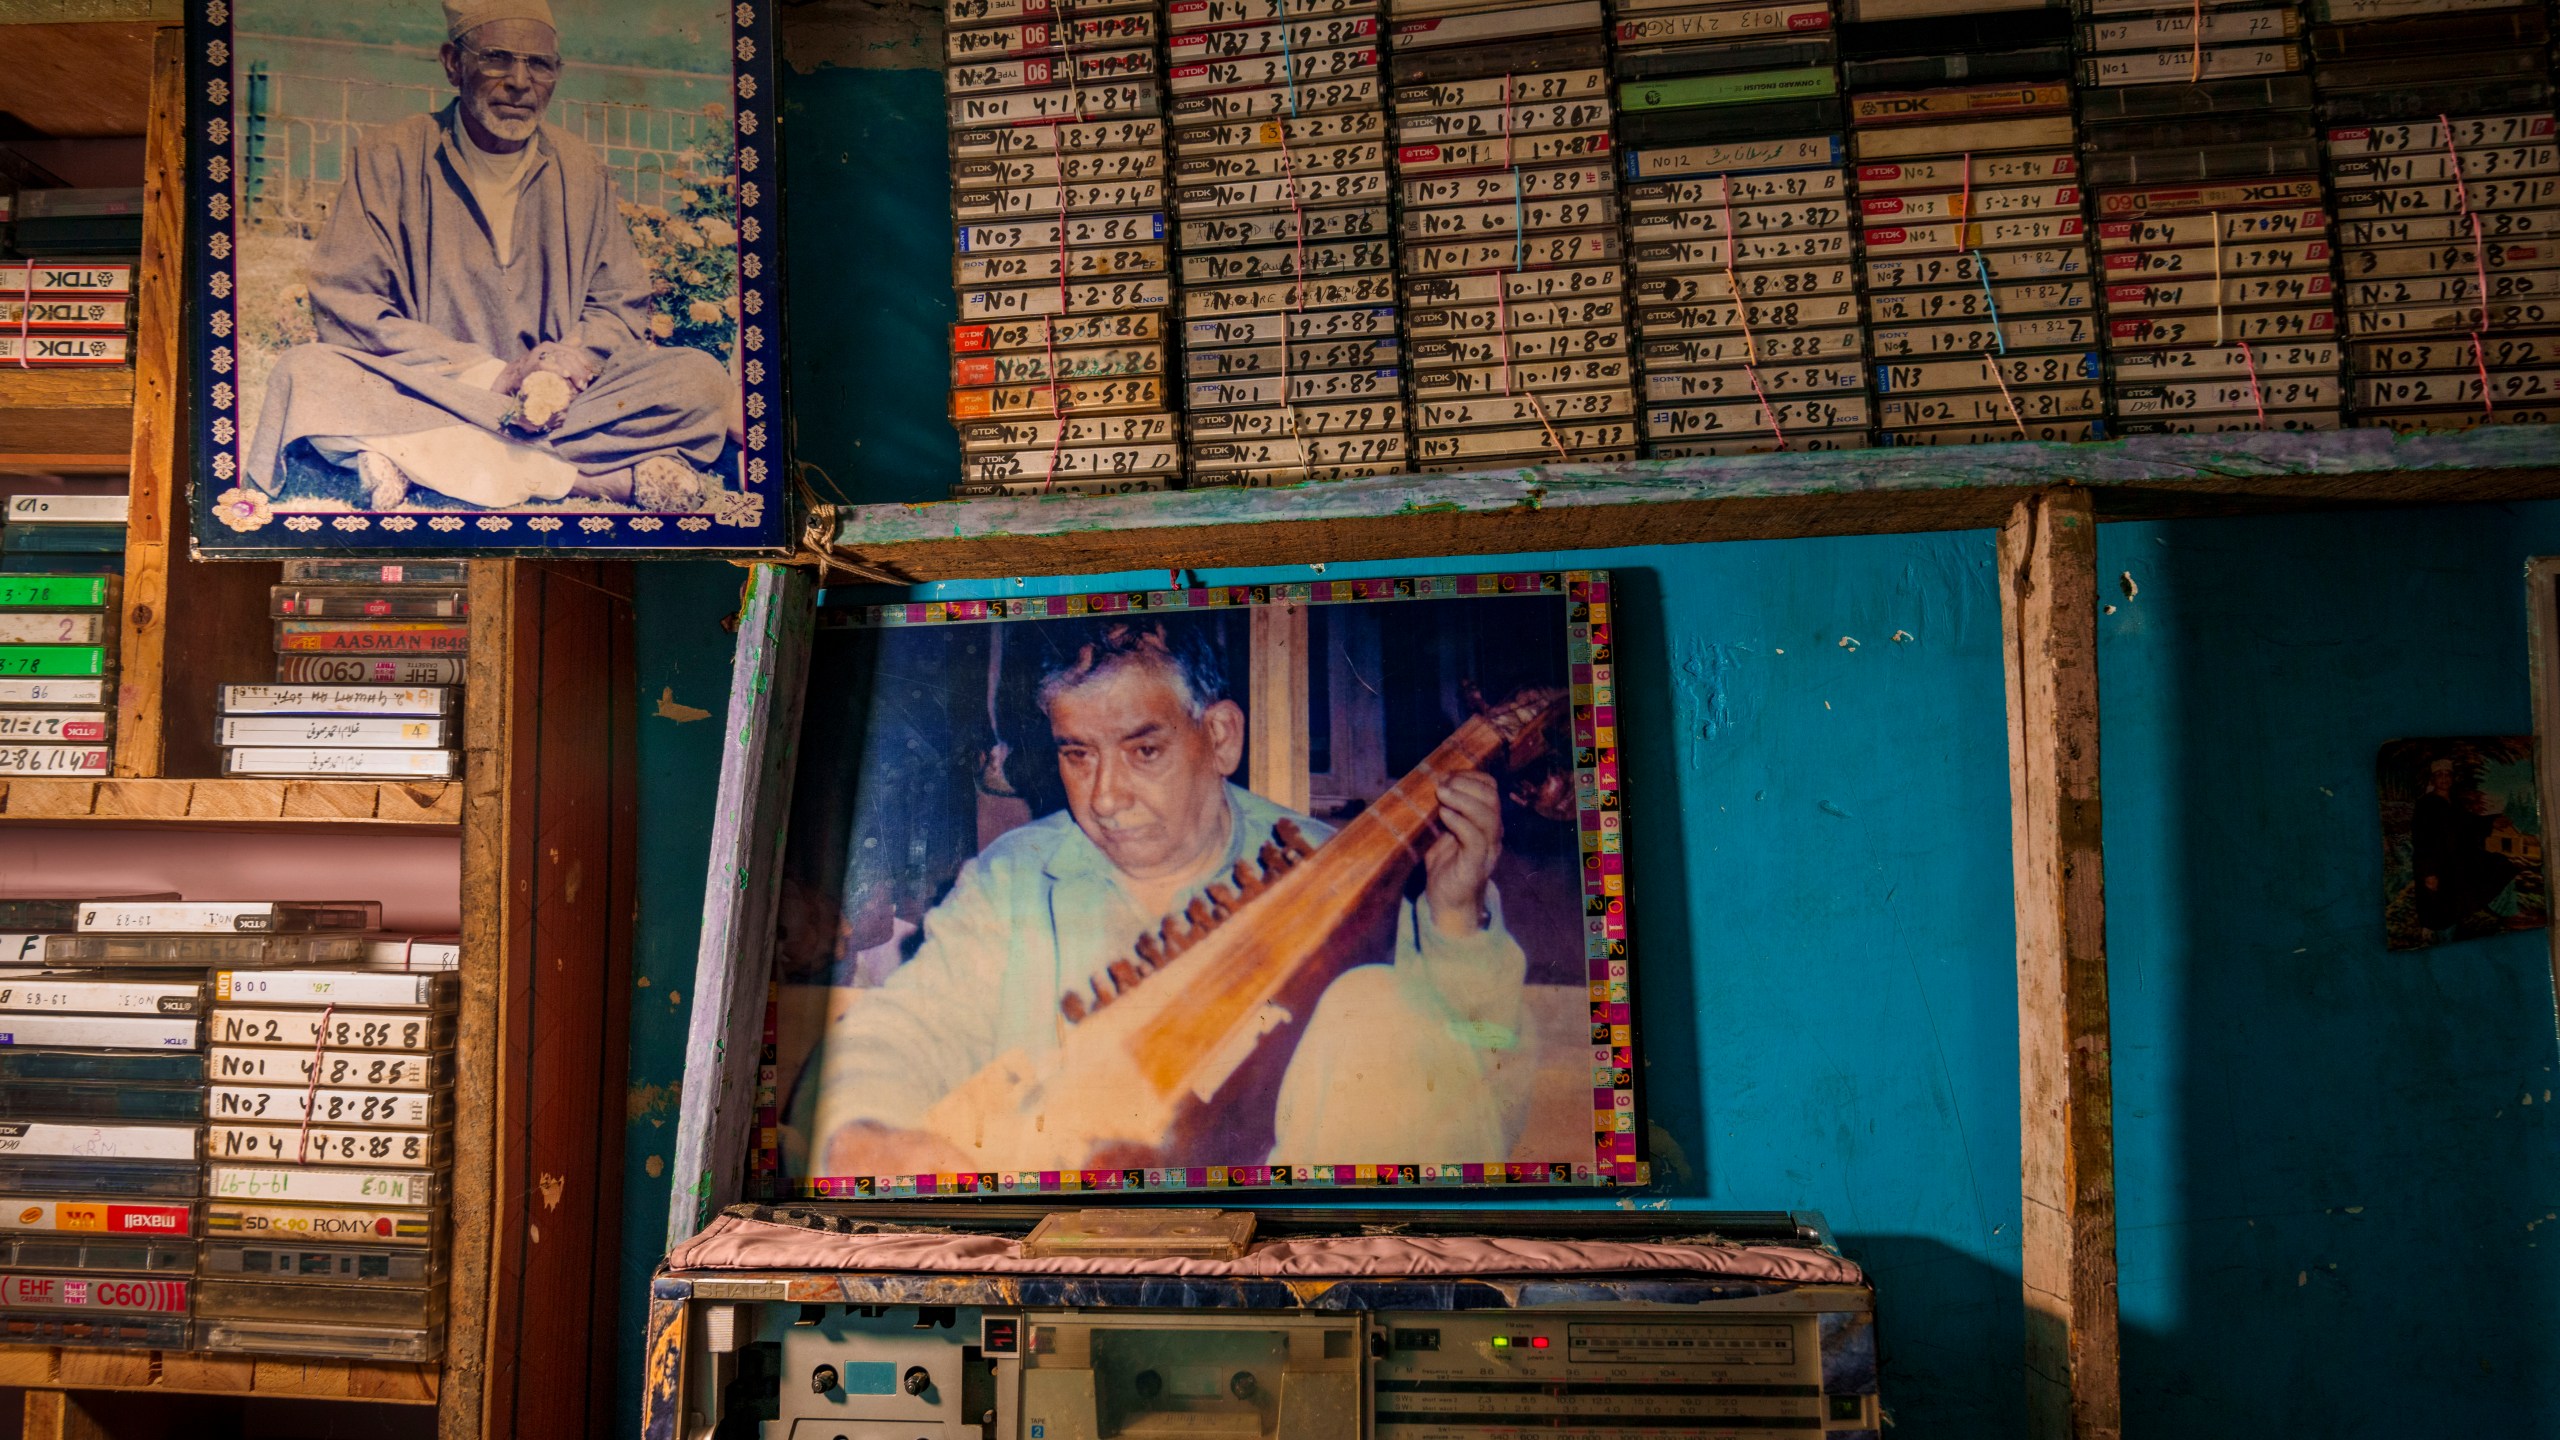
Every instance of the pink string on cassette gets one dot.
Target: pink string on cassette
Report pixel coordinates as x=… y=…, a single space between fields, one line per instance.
x=1742 y=315
x=1992 y=366
x=311 y=1092
x=2479 y=266
x=2257 y=396
x=2461 y=190
x=1964 y=207
x=2195 y=43
x=26 y=311
x=2480 y=363
x=1049 y=323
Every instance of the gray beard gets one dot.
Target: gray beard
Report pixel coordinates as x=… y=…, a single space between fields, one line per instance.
x=515 y=130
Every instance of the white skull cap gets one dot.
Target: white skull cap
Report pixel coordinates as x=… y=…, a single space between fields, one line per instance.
x=461 y=17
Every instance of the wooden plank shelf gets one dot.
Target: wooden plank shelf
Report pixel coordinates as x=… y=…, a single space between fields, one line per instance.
x=1659 y=502
x=409 y=806
x=77 y=420
x=175 y=1372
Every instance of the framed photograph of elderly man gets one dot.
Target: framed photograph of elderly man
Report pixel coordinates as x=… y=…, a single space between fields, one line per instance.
x=484 y=276
x=1233 y=887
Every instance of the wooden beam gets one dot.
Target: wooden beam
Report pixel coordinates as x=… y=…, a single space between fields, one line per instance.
x=155 y=517
x=1668 y=502
x=68 y=419
x=733 y=968
x=79 y=76
x=2049 y=623
x=1276 y=706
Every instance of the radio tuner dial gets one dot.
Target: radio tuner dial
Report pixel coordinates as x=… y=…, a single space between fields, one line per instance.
x=916 y=1381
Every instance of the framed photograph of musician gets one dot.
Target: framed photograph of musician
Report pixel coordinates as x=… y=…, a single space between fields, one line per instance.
x=1311 y=884
x=484 y=276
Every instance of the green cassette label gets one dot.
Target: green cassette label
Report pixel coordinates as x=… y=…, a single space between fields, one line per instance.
x=53 y=660
x=52 y=592
x=1682 y=92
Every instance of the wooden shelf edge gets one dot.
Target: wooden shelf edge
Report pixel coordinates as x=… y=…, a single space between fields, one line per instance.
x=175 y=1372
x=406 y=806
x=1654 y=502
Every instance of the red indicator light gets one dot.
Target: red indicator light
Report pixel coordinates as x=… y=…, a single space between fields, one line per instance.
x=1538 y=1342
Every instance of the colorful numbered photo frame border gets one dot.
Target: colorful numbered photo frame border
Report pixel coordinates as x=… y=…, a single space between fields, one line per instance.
x=663 y=123
x=1583 y=828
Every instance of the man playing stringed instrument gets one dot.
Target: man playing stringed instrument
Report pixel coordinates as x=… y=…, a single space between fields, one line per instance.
x=1398 y=1061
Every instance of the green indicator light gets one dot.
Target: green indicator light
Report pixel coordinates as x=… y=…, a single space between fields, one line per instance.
x=1499 y=1341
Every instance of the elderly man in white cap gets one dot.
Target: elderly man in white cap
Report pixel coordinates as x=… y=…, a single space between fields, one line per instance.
x=483 y=316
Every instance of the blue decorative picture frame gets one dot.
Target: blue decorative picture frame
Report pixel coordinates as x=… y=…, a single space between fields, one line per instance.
x=284 y=99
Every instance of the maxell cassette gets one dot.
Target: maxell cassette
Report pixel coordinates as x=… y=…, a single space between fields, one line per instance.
x=1752 y=417
x=368 y=670
x=364 y=1342
x=2536 y=388
x=284 y=1066
x=335 y=1029
x=99 y=1179
x=103 y=1218
x=1057 y=465
x=79 y=996
x=274 y=1299
x=321 y=1225
x=1988 y=369
x=312 y=1144
x=2209 y=397
x=1667 y=387
x=1515 y=410
x=365 y=1265
x=1097 y=397
x=1348 y=418
x=296 y=1185
x=201 y=950
x=326 y=761
x=136 y=1256
x=54 y=726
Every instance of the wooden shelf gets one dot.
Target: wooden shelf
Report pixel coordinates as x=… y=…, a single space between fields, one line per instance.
x=409 y=806
x=1658 y=502
x=66 y=419
x=175 y=1372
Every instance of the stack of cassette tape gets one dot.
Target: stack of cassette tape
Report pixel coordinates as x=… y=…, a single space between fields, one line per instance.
x=1513 y=257
x=1977 y=260
x=2203 y=164
x=369 y=674
x=2446 y=171
x=328 y=1148
x=1750 y=334
x=57 y=652
x=1291 y=362
x=1059 y=362
x=102 y=1083
x=66 y=313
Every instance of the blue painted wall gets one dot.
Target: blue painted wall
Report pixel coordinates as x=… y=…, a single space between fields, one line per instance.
x=1821 y=899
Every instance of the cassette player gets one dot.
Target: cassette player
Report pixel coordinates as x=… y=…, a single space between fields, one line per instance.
x=1428 y=1326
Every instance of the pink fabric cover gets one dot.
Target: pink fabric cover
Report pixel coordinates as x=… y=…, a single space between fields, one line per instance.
x=736 y=1243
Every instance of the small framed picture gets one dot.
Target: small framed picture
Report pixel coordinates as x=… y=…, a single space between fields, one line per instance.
x=2461 y=840
x=1231 y=887
x=484 y=276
